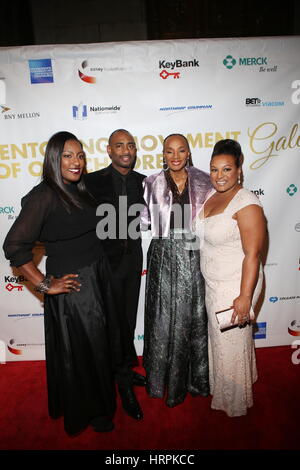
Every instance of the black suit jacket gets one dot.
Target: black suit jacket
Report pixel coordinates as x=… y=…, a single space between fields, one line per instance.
x=100 y=185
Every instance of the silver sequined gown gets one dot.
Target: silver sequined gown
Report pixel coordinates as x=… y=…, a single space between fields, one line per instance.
x=175 y=340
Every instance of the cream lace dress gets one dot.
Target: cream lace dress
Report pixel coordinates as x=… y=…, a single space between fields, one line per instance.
x=232 y=364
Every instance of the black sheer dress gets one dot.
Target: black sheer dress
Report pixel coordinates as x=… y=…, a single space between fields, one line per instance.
x=82 y=336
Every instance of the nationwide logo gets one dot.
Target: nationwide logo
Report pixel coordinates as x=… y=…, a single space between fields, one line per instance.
x=297 y=227
x=81 y=111
x=229 y=62
x=255 y=102
x=260 y=330
x=178 y=63
x=291 y=189
x=40 y=71
x=294 y=328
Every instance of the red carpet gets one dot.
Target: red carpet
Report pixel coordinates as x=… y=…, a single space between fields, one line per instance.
x=273 y=422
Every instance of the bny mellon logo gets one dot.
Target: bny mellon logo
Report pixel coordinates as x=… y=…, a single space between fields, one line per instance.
x=4 y=108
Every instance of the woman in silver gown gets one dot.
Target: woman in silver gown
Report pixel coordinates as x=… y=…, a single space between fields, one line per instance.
x=175 y=339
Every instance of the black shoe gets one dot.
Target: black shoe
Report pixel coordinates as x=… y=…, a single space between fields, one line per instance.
x=129 y=402
x=137 y=379
x=102 y=424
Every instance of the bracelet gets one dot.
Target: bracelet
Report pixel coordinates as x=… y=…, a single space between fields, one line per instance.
x=44 y=285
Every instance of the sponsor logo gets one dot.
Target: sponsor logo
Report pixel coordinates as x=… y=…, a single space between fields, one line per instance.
x=4 y=108
x=17 y=348
x=229 y=62
x=82 y=111
x=10 y=287
x=178 y=63
x=12 y=347
x=87 y=72
x=260 y=330
x=79 y=112
x=297 y=227
x=41 y=71
x=276 y=299
x=255 y=102
x=11 y=280
x=291 y=189
x=7 y=210
x=262 y=62
x=83 y=76
x=294 y=328
x=258 y=192
x=21 y=115
x=194 y=107
x=144 y=272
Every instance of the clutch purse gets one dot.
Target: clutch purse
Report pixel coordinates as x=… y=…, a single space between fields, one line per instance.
x=224 y=318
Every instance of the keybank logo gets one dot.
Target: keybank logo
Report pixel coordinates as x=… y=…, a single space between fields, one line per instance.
x=230 y=61
x=178 y=63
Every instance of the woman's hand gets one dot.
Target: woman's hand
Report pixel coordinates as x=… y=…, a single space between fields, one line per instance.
x=64 y=285
x=241 y=305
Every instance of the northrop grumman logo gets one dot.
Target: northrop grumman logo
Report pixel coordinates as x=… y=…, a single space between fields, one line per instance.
x=178 y=63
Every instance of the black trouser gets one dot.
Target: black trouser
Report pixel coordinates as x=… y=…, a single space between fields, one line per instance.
x=126 y=281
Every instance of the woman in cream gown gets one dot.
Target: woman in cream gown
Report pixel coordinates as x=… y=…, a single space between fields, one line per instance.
x=232 y=227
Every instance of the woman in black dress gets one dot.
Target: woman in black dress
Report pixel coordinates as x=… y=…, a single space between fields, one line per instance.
x=81 y=333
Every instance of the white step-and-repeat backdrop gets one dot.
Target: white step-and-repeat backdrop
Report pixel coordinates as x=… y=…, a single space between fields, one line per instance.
x=244 y=89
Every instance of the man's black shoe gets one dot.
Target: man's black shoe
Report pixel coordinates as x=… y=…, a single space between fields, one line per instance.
x=129 y=402
x=137 y=379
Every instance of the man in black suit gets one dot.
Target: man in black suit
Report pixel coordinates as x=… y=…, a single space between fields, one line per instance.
x=124 y=253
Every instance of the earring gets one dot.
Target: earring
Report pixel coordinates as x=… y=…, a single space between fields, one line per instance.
x=165 y=166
